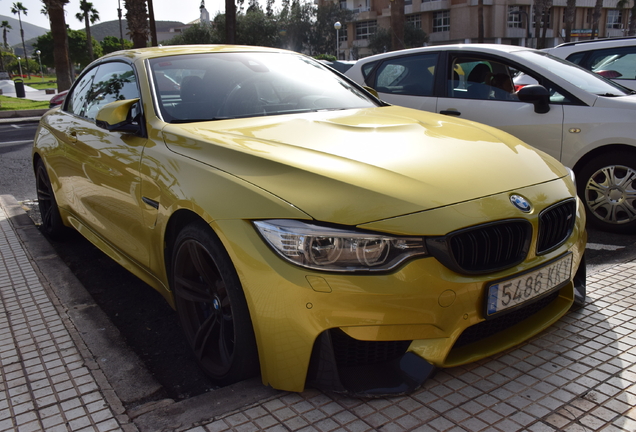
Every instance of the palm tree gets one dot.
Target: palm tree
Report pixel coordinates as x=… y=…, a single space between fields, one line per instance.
x=57 y=22
x=596 y=16
x=19 y=9
x=5 y=26
x=570 y=11
x=89 y=15
x=137 y=19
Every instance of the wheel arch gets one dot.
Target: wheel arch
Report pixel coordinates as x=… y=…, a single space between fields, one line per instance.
x=178 y=220
x=601 y=150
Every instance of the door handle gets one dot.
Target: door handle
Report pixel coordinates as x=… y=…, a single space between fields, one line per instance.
x=451 y=112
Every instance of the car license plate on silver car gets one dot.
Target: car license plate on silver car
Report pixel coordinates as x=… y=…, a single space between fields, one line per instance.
x=513 y=292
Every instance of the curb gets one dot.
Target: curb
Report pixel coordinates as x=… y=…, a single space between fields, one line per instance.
x=22 y=113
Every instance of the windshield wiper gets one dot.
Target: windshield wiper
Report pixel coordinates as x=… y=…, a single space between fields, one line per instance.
x=610 y=95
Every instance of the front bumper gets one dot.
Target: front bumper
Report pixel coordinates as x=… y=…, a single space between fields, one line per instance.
x=423 y=308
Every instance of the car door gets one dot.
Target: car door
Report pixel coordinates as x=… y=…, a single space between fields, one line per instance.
x=102 y=173
x=473 y=92
x=407 y=80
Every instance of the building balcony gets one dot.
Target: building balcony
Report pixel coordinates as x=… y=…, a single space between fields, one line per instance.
x=364 y=14
x=435 y=5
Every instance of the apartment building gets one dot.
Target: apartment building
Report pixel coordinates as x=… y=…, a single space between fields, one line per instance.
x=455 y=21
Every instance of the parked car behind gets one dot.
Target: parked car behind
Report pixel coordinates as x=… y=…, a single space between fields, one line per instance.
x=301 y=227
x=580 y=118
x=611 y=58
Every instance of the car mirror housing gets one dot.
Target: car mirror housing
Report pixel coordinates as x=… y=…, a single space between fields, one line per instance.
x=117 y=116
x=537 y=95
x=372 y=91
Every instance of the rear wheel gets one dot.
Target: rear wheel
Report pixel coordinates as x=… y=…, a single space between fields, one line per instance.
x=212 y=307
x=607 y=186
x=52 y=224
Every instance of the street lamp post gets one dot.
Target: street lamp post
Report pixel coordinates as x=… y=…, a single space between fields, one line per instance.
x=20 y=65
x=38 y=52
x=337 y=26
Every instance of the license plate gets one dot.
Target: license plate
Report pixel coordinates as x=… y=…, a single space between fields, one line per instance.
x=513 y=292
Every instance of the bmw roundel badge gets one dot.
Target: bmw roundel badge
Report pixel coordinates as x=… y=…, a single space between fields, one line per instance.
x=521 y=203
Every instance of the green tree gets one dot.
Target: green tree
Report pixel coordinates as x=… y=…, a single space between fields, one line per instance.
x=323 y=36
x=137 y=18
x=19 y=9
x=59 y=49
x=88 y=15
x=381 y=41
x=77 y=48
x=112 y=43
x=200 y=33
x=295 y=22
x=256 y=28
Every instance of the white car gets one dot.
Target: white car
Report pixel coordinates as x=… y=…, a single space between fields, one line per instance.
x=612 y=58
x=580 y=118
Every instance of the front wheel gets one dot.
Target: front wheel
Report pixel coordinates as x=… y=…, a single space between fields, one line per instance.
x=607 y=186
x=211 y=306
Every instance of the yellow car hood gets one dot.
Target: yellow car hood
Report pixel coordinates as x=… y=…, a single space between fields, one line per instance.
x=357 y=166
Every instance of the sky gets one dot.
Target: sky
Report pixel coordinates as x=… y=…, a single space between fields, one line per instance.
x=165 y=10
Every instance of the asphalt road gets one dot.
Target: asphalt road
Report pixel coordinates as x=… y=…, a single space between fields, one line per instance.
x=145 y=321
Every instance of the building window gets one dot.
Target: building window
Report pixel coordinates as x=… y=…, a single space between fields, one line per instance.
x=441 y=21
x=408 y=2
x=365 y=29
x=424 y=1
x=414 y=20
x=546 y=20
x=342 y=33
x=515 y=17
x=614 y=19
x=343 y=5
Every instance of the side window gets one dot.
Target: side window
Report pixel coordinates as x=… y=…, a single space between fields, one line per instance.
x=76 y=100
x=367 y=68
x=476 y=78
x=614 y=63
x=413 y=75
x=113 y=81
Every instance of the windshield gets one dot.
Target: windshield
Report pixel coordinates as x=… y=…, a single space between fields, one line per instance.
x=216 y=86
x=575 y=75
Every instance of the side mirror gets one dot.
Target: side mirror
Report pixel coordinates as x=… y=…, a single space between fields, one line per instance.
x=535 y=94
x=119 y=116
x=372 y=91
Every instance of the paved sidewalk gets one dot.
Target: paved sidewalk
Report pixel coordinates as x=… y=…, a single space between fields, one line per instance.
x=45 y=382
x=579 y=375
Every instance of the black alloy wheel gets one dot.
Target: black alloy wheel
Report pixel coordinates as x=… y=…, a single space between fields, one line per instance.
x=211 y=306
x=52 y=224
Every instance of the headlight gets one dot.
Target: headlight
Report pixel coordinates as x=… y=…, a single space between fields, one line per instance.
x=338 y=250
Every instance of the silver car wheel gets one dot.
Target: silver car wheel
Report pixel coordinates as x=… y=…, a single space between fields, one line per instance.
x=610 y=194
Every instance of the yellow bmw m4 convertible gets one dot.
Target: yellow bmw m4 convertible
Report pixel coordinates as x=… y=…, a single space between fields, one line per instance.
x=302 y=228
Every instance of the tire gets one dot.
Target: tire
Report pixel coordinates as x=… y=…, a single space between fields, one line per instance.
x=211 y=306
x=52 y=225
x=607 y=186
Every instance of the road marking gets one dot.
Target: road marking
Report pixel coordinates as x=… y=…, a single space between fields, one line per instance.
x=15 y=126
x=597 y=246
x=10 y=143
